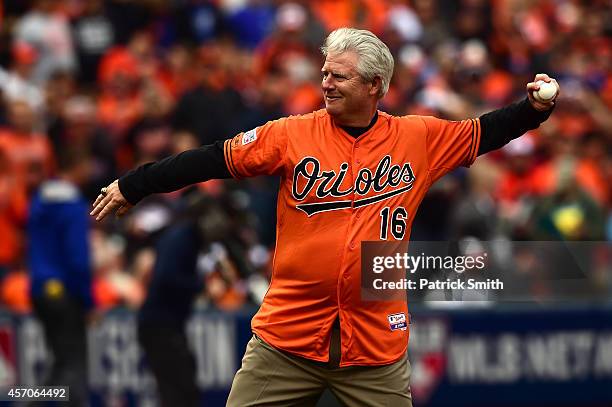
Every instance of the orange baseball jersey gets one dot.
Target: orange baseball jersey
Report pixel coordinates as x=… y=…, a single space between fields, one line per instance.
x=333 y=190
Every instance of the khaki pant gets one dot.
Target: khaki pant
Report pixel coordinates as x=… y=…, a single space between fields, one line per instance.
x=269 y=377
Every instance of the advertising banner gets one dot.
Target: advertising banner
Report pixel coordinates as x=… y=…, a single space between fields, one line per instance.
x=463 y=357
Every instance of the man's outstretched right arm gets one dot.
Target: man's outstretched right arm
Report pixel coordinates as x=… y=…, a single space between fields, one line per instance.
x=174 y=172
x=170 y=174
x=260 y=151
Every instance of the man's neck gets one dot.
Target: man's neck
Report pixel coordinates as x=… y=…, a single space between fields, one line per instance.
x=360 y=120
x=358 y=131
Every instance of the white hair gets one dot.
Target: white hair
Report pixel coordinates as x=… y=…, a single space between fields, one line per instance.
x=375 y=59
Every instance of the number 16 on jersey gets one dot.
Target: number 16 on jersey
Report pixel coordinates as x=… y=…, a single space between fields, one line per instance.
x=394 y=222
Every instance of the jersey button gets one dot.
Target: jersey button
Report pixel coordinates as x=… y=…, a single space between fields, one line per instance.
x=358 y=161
x=352 y=245
x=358 y=215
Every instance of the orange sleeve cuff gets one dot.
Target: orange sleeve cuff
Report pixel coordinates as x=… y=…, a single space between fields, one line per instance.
x=229 y=161
x=475 y=143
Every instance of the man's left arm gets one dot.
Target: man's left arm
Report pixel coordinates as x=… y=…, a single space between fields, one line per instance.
x=501 y=126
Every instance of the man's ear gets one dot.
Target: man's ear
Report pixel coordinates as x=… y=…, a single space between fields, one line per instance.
x=376 y=86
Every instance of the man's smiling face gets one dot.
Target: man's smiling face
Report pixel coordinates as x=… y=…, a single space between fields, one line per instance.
x=348 y=98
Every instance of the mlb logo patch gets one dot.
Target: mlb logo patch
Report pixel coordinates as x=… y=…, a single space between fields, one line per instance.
x=397 y=321
x=249 y=137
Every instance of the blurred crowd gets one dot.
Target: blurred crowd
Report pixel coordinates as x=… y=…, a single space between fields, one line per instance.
x=125 y=82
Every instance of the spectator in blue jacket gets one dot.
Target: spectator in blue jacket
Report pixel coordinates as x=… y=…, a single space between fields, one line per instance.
x=59 y=261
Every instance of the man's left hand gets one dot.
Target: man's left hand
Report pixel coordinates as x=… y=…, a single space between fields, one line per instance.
x=533 y=86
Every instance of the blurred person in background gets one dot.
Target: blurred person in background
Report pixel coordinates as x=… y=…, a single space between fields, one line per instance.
x=356 y=74
x=334 y=14
x=60 y=87
x=177 y=73
x=60 y=270
x=288 y=53
x=93 y=34
x=77 y=128
x=286 y=42
x=476 y=213
x=29 y=152
x=119 y=77
x=171 y=290
x=514 y=193
x=250 y=22
x=47 y=30
x=212 y=109
x=115 y=283
x=201 y=225
x=573 y=140
x=16 y=83
x=200 y=21
x=149 y=137
x=569 y=213
x=13 y=214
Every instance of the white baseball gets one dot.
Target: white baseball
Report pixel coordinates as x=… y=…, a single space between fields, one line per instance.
x=547 y=92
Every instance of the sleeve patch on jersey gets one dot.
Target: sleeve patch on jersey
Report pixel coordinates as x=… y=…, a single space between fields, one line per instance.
x=249 y=137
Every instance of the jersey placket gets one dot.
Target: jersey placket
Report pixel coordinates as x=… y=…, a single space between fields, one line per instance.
x=346 y=283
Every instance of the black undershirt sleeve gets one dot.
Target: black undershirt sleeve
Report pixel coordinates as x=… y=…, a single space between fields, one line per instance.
x=175 y=172
x=501 y=126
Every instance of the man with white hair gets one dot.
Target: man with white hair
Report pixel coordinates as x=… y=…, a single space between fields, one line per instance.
x=346 y=170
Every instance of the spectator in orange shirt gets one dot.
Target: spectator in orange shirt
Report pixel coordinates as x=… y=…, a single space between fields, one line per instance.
x=29 y=153
x=119 y=104
x=287 y=42
x=585 y=170
x=13 y=210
